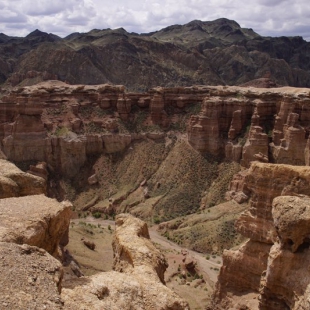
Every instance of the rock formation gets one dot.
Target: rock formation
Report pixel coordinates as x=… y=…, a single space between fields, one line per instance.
x=136 y=283
x=276 y=253
x=63 y=125
x=31 y=227
x=286 y=282
x=247 y=125
x=73 y=129
x=36 y=221
x=15 y=183
x=30 y=278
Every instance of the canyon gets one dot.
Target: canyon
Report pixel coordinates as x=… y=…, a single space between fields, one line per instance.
x=160 y=155
x=221 y=169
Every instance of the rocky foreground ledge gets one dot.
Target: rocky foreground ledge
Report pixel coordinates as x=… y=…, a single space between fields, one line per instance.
x=34 y=228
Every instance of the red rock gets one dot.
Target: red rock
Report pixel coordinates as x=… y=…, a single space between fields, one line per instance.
x=267 y=222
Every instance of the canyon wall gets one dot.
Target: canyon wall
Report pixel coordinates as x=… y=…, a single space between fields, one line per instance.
x=64 y=125
x=77 y=137
x=268 y=271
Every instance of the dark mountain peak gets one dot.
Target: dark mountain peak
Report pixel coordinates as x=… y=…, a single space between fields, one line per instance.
x=195 y=25
x=39 y=36
x=199 y=52
x=37 y=33
x=72 y=36
x=4 y=38
x=195 y=22
x=170 y=28
x=226 y=21
x=120 y=30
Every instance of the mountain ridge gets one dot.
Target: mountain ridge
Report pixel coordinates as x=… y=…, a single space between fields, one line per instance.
x=218 y=52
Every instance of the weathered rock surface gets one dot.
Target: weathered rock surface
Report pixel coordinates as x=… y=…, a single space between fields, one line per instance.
x=30 y=278
x=287 y=281
x=239 y=124
x=136 y=283
x=64 y=125
x=134 y=252
x=278 y=228
x=291 y=216
x=35 y=220
x=265 y=182
x=15 y=183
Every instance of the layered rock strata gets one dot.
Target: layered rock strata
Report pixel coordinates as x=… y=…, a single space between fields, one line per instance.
x=278 y=233
x=63 y=125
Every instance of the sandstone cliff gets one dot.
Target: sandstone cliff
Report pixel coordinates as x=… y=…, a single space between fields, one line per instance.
x=104 y=141
x=262 y=270
x=35 y=220
x=64 y=125
x=32 y=229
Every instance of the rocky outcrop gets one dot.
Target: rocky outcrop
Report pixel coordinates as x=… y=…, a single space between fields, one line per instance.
x=32 y=230
x=256 y=146
x=36 y=221
x=278 y=231
x=44 y=122
x=32 y=226
x=248 y=125
x=286 y=282
x=30 y=278
x=136 y=254
x=238 y=190
x=136 y=283
x=15 y=183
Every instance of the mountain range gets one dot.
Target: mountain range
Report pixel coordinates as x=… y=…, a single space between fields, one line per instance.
x=218 y=52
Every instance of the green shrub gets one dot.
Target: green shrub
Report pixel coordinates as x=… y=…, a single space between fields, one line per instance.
x=97 y=215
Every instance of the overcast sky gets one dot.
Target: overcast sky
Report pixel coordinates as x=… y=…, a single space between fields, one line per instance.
x=62 y=17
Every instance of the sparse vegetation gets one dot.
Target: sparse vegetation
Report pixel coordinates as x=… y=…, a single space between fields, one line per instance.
x=97 y=215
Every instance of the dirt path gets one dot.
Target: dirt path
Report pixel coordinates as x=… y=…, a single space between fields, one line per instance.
x=204 y=264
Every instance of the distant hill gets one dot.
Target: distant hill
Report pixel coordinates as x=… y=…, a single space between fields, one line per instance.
x=216 y=52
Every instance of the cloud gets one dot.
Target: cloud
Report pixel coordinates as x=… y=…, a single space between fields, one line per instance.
x=266 y=17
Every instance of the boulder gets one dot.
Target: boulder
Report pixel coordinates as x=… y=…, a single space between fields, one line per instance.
x=291 y=217
x=15 y=183
x=35 y=220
